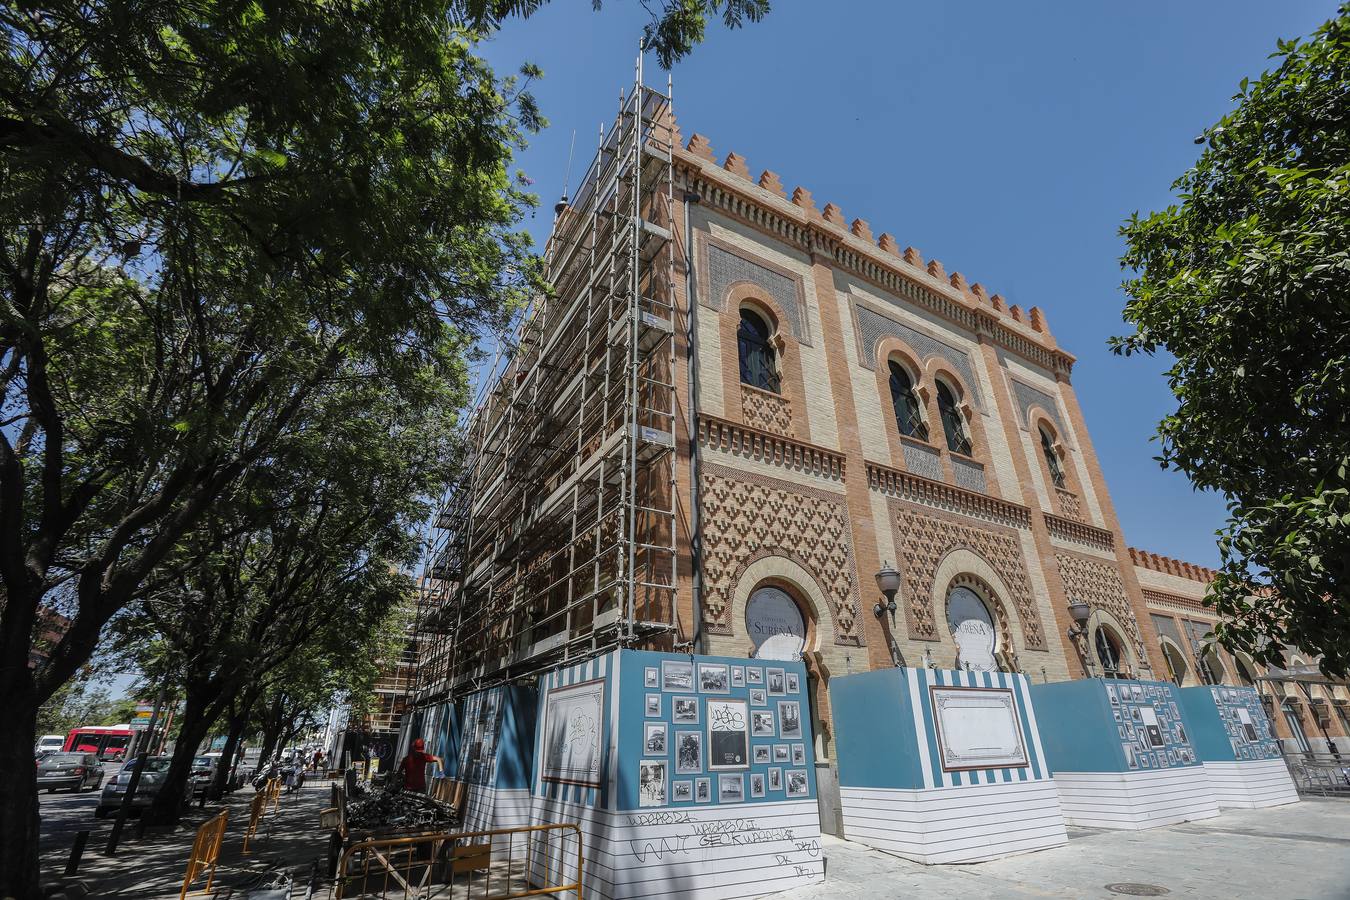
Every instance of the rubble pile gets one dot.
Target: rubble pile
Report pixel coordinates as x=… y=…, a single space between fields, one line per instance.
x=398 y=809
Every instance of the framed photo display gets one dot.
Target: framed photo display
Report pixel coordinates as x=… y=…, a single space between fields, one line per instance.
x=789 y=719
x=714 y=678
x=688 y=752
x=652 y=783
x=761 y=723
x=797 y=784
x=655 y=738
x=702 y=790
x=728 y=735
x=684 y=710
x=573 y=720
x=677 y=675
x=730 y=788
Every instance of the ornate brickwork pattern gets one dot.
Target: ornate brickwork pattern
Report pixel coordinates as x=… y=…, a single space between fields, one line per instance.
x=1028 y=396
x=922 y=541
x=1070 y=505
x=1099 y=584
x=761 y=409
x=922 y=461
x=969 y=475
x=747 y=516
x=726 y=269
x=872 y=326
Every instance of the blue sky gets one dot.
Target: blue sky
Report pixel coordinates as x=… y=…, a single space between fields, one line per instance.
x=1008 y=140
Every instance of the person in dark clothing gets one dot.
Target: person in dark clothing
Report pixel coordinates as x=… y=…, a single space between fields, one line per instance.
x=413 y=768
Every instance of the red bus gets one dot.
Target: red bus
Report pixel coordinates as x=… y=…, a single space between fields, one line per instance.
x=108 y=741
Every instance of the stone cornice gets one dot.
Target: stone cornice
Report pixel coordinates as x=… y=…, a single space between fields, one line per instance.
x=925 y=491
x=797 y=223
x=774 y=449
x=1079 y=532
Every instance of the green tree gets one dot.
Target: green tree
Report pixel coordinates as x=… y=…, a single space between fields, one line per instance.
x=1246 y=282
x=209 y=213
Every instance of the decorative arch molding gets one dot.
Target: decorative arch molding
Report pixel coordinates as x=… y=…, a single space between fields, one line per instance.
x=1099 y=584
x=964 y=567
x=785 y=570
x=1125 y=635
x=749 y=517
x=872 y=326
x=1188 y=677
x=728 y=269
x=927 y=546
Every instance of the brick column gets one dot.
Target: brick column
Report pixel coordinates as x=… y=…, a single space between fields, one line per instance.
x=1059 y=602
x=1133 y=591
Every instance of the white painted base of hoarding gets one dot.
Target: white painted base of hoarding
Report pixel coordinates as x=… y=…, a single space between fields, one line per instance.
x=1251 y=783
x=490 y=809
x=713 y=852
x=964 y=824
x=1136 y=800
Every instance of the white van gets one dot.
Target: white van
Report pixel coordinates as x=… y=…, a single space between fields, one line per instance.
x=50 y=742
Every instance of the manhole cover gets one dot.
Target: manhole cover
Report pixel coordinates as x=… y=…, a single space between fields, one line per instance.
x=1137 y=890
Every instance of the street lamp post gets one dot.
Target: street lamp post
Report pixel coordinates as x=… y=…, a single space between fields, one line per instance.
x=888 y=582
x=1081 y=635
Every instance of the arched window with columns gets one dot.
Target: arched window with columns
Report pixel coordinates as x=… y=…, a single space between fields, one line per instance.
x=906 y=404
x=754 y=346
x=953 y=421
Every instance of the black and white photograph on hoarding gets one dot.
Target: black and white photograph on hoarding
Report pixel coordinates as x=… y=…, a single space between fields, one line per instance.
x=1111 y=692
x=738 y=676
x=782 y=753
x=1130 y=755
x=761 y=723
x=758 y=698
x=655 y=738
x=754 y=675
x=713 y=678
x=797 y=784
x=756 y=784
x=702 y=790
x=677 y=675
x=652 y=783
x=793 y=685
x=728 y=735
x=730 y=788
x=776 y=682
x=684 y=710
x=789 y=719
x=653 y=705
x=762 y=754
x=688 y=752
x=682 y=791
x=776 y=778
x=651 y=678
x=799 y=754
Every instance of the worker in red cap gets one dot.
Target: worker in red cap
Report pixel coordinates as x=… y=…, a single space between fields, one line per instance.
x=414 y=767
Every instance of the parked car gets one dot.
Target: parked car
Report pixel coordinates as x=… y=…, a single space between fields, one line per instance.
x=50 y=742
x=69 y=771
x=203 y=772
x=152 y=779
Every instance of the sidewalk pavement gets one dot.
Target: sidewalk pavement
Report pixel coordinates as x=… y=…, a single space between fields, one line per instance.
x=153 y=867
x=1295 y=852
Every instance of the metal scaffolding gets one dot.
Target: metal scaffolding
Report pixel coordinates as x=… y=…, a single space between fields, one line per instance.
x=558 y=540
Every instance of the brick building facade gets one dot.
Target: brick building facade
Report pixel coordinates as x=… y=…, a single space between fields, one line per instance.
x=737 y=400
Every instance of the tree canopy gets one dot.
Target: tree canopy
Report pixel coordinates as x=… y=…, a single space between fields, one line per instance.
x=1246 y=282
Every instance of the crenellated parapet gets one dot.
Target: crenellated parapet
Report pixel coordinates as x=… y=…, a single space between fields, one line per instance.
x=1169 y=566
x=795 y=216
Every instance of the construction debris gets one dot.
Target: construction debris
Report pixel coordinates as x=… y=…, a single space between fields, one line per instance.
x=398 y=809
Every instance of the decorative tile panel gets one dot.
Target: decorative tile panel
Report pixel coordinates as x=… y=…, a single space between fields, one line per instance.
x=873 y=326
x=769 y=411
x=726 y=269
x=922 y=460
x=969 y=474
x=747 y=516
x=1028 y=396
x=1099 y=584
x=923 y=540
x=1070 y=505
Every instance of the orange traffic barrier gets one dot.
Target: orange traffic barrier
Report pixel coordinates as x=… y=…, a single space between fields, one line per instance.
x=205 y=853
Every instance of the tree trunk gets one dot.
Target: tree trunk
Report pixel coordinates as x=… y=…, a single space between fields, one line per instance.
x=18 y=786
x=237 y=720
x=199 y=714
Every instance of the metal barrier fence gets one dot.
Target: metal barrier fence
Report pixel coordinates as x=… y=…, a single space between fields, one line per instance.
x=205 y=853
x=533 y=861
x=1324 y=774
